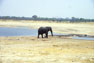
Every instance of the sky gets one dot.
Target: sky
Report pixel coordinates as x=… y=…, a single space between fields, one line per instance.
x=48 y=8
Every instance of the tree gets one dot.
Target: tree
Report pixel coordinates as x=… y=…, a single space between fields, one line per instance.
x=34 y=17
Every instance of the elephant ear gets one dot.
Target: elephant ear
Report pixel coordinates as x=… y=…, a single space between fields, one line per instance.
x=48 y=28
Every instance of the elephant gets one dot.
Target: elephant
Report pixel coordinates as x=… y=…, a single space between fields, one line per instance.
x=44 y=30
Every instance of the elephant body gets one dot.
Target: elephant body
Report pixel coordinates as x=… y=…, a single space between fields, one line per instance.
x=44 y=30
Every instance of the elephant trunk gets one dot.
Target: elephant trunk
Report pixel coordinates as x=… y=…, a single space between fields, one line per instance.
x=51 y=32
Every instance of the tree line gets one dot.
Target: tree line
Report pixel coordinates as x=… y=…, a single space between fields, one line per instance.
x=36 y=18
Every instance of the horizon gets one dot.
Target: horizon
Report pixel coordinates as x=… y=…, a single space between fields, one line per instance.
x=48 y=8
x=47 y=17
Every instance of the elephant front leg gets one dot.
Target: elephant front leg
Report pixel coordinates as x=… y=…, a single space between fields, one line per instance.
x=46 y=35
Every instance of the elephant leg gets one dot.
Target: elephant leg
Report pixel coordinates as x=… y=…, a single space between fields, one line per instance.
x=46 y=35
x=38 y=35
x=42 y=35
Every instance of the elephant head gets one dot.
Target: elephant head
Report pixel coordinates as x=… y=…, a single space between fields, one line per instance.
x=50 y=29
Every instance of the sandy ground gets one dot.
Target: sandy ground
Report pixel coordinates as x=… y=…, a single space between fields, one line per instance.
x=52 y=50
x=56 y=49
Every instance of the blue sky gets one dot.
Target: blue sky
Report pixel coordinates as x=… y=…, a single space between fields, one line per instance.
x=48 y=8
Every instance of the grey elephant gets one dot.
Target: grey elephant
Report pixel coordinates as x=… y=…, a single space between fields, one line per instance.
x=44 y=30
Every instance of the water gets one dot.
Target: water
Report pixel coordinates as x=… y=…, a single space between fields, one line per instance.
x=83 y=38
x=25 y=31
x=17 y=31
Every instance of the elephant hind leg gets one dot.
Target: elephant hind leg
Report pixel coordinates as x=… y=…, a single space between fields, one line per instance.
x=38 y=35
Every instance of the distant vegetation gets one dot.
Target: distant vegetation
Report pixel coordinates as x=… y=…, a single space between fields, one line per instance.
x=35 y=17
